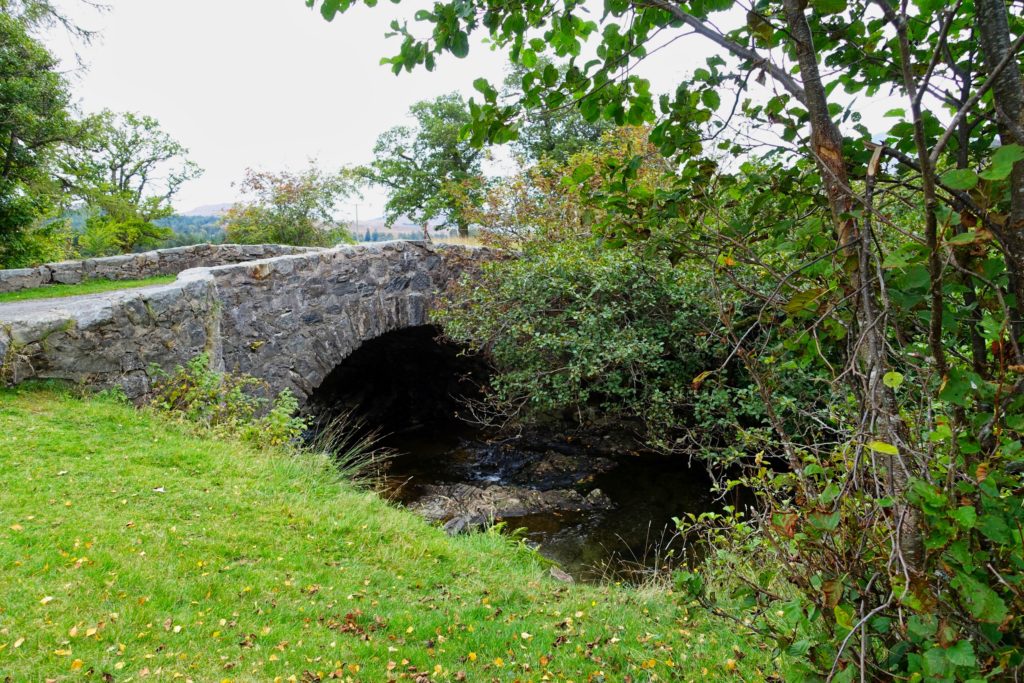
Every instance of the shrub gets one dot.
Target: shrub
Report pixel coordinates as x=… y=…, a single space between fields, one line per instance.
x=228 y=404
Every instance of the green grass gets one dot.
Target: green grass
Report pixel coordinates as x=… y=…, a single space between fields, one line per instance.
x=87 y=287
x=131 y=549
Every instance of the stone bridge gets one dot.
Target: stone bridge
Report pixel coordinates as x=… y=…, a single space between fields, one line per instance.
x=289 y=320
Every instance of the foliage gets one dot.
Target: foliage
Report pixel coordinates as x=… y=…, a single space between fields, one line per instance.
x=554 y=201
x=290 y=208
x=430 y=171
x=298 y=564
x=890 y=275
x=41 y=15
x=552 y=135
x=126 y=172
x=35 y=101
x=579 y=330
x=228 y=404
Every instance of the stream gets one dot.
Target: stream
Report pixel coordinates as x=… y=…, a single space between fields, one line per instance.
x=599 y=516
x=597 y=509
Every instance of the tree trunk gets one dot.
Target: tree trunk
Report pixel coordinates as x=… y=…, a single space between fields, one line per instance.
x=879 y=405
x=1008 y=95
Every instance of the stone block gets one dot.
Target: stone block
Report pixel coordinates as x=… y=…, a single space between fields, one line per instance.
x=23 y=278
x=66 y=272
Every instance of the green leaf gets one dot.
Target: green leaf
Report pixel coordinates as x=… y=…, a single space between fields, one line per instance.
x=960 y=179
x=844 y=616
x=969 y=237
x=824 y=7
x=825 y=522
x=484 y=87
x=966 y=516
x=459 y=44
x=883 y=447
x=1003 y=161
x=982 y=602
x=961 y=654
x=329 y=9
x=805 y=301
x=893 y=380
x=582 y=172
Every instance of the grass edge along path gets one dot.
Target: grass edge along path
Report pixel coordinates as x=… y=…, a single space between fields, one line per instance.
x=94 y=286
x=132 y=549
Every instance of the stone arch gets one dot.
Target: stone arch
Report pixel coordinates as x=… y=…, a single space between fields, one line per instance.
x=292 y=320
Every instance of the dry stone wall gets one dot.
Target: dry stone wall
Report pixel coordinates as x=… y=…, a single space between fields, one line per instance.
x=139 y=266
x=288 y=320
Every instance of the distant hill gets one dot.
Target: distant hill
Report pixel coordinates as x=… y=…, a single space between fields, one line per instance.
x=403 y=224
x=193 y=229
x=208 y=210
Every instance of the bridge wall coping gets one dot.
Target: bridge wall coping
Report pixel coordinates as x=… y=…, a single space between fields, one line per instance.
x=139 y=266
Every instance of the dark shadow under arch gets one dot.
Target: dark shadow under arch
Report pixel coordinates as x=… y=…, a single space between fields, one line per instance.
x=404 y=380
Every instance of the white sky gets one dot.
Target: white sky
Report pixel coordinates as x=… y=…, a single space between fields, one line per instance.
x=269 y=83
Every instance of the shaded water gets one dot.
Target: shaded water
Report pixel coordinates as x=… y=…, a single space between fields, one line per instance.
x=638 y=533
x=412 y=383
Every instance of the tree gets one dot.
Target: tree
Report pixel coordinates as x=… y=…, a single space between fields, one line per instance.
x=891 y=263
x=544 y=202
x=554 y=134
x=38 y=15
x=36 y=119
x=290 y=208
x=127 y=172
x=429 y=171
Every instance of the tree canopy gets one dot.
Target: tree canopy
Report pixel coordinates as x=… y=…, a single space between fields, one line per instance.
x=430 y=171
x=36 y=120
x=126 y=171
x=290 y=208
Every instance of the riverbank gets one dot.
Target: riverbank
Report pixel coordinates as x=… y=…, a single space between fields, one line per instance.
x=132 y=549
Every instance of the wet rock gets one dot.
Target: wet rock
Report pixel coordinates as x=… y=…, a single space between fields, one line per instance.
x=532 y=465
x=559 y=575
x=449 y=501
x=464 y=524
x=561 y=469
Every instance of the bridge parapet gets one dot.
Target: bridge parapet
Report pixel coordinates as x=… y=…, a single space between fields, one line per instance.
x=138 y=266
x=288 y=320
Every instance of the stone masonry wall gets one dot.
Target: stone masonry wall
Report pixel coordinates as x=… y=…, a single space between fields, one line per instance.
x=288 y=320
x=139 y=266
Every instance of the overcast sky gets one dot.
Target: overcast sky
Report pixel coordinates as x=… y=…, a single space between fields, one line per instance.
x=264 y=83
x=269 y=84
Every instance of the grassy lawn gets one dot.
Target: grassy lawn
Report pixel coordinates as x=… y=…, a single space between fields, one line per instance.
x=131 y=549
x=86 y=287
